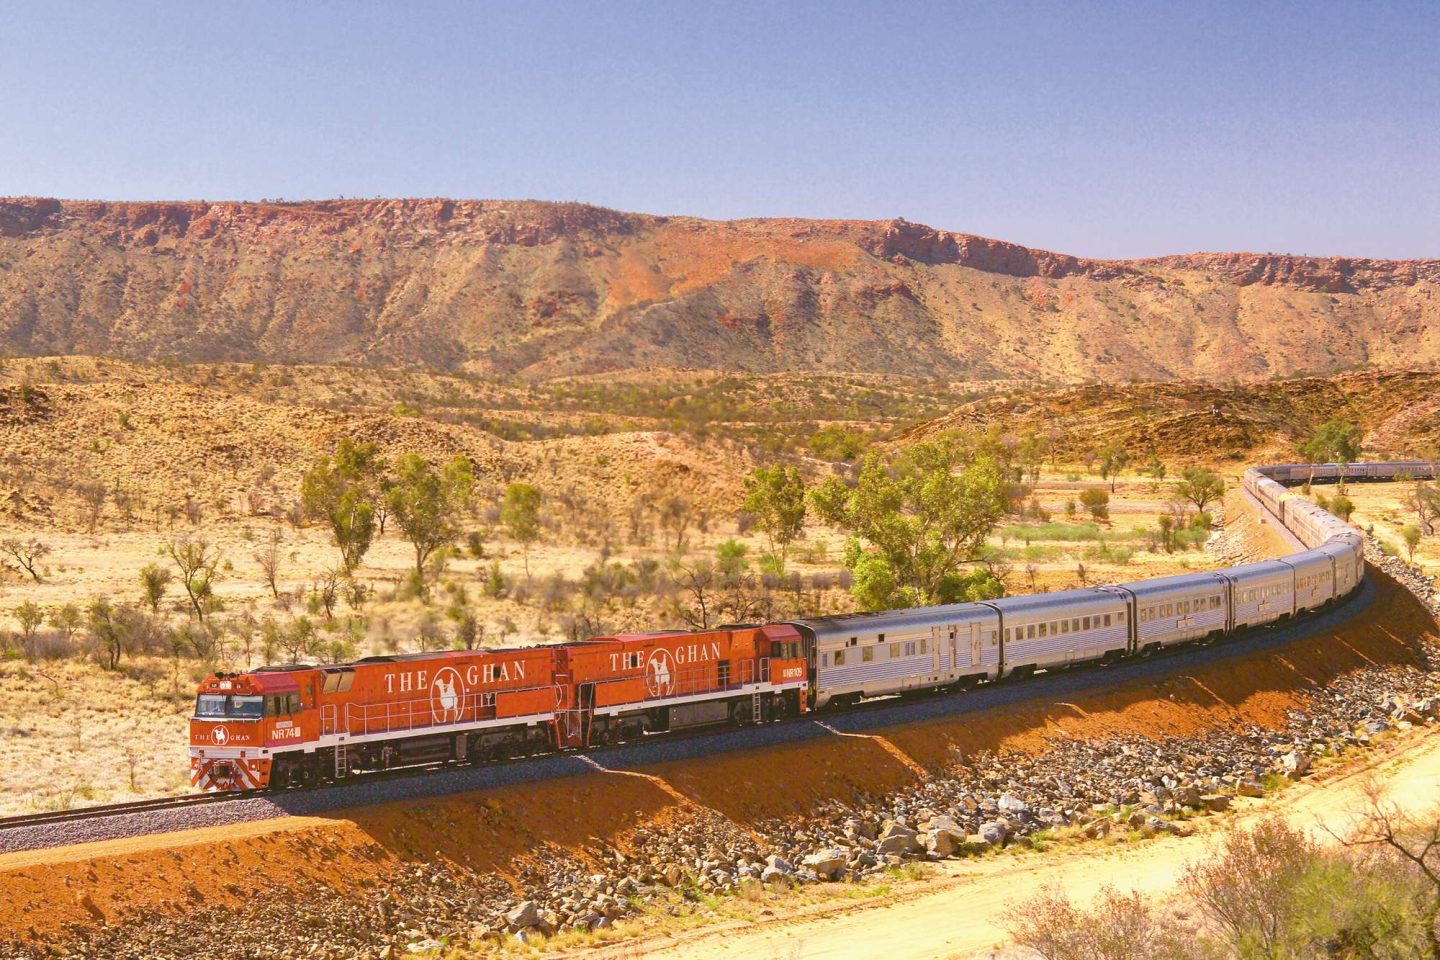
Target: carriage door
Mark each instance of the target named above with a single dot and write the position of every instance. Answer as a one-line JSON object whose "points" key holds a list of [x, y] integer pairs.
{"points": [[935, 641], [974, 644]]}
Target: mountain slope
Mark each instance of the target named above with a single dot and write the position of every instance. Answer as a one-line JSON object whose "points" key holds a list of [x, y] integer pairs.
{"points": [[541, 289]]}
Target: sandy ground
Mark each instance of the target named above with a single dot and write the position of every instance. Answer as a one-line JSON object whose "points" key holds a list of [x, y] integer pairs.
{"points": [[956, 914]]}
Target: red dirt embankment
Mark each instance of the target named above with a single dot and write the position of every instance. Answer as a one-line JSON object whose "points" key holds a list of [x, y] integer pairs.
{"points": [[43, 894]]}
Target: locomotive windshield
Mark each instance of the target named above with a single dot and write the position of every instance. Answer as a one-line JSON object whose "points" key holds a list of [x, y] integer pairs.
{"points": [[214, 706]]}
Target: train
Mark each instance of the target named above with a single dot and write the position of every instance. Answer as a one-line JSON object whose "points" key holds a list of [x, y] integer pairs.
{"points": [[297, 725]]}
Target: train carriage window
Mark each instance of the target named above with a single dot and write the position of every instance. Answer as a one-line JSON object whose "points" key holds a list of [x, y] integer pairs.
{"points": [[1107, 619], [1042, 629], [292, 704], [992, 635], [1085, 623], [332, 682], [924, 647], [839, 658], [894, 651], [910, 649], [1120, 617], [1030, 632], [867, 654]]}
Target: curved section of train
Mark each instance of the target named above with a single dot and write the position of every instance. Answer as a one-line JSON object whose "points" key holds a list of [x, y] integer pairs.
{"points": [[297, 725]]}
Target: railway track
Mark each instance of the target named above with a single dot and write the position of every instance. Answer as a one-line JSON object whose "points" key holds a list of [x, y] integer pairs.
{"points": [[282, 802], [121, 809]]}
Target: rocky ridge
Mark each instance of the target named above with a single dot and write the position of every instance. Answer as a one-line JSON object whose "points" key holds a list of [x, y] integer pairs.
{"points": [[553, 289]]}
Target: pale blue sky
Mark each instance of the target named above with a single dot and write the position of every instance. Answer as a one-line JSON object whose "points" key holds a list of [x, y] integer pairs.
{"points": [[1108, 129]]}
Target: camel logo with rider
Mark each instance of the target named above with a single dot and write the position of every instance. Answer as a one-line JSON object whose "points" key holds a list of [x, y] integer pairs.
{"points": [[660, 674], [447, 696]]}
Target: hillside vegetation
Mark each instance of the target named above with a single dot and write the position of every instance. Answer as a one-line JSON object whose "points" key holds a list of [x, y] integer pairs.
{"points": [[543, 290]]}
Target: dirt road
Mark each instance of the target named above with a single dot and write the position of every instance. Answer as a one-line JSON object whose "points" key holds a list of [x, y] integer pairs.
{"points": [[954, 916]]}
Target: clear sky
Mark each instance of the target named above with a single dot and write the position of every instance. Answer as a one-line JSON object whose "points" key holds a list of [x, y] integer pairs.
{"points": [[1107, 129]]}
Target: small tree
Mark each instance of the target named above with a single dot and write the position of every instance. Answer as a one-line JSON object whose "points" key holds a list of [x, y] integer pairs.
{"points": [[1097, 501], [1342, 507], [916, 522], [325, 592], [25, 555], [1167, 531], [1113, 461], [1200, 486], [107, 632], [775, 496], [1119, 927], [1411, 533], [340, 491], [198, 563], [92, 497], [1412, 840], [30, 617], [520, 513], [153, 582], [1425, 501], [67, 618], [1248, 890], [676, 514], [1336, 441], [269, 557], [698, 582], [427, 504]]}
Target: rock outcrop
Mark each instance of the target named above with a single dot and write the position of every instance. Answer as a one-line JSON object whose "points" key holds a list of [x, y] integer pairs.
{"points": [[546, 289]]}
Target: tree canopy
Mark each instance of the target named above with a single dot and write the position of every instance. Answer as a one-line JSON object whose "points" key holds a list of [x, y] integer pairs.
{"points": [[776, 498], [428, 503], [915, 522], [341, 491], [520, 512], [1200, 486], [1336, 441]]}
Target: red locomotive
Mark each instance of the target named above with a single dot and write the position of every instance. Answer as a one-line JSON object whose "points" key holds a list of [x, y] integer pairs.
{"points": [[296, 725]]}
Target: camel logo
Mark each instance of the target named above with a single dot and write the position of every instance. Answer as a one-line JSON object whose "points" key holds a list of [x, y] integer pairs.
{"points": [[447, 696], [660, 674], [220, 734]]}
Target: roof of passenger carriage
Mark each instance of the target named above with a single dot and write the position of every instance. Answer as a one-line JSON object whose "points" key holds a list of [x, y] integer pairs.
{"points": [[1175, 583], [1084, 597], [886, 619], [1260, 568]]}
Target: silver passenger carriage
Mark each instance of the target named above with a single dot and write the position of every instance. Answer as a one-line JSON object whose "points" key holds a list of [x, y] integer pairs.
{"points": [[1049, 630], [1260, 593], [873, 654], [1178, 609], [1314, 579]]}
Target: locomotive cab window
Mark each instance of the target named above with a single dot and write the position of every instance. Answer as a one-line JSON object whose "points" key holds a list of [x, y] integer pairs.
{"points": [[214, 706], [210, 705]]}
